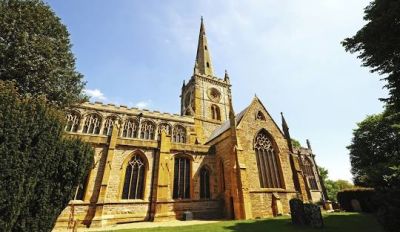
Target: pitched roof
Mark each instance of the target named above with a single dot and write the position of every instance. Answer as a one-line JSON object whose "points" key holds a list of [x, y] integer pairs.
{"points": [[226, 125]]}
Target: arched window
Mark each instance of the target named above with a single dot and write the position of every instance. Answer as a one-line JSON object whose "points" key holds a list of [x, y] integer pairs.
{"points": [[267, 162], [204, 183], [179, 135], [260, 116], [134, 179], [181, 178], [92, 124], [309, 174], [108, 125], [215, 112], [163, 127], [147, 130], [130, 129], [73, 120]]}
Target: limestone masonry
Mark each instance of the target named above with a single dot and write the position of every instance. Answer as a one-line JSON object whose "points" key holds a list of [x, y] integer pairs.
{"points": [[209, 161]]}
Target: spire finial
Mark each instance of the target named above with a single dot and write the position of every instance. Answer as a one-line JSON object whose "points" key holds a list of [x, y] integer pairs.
{"points": [[308, 144], [226, 78], [285, 129]]}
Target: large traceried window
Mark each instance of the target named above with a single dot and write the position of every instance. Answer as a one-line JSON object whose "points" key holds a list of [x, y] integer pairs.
{"points": [[204, 183], [92, 124], [73, 120], [309, 174], [267, 162], [108, 125], [181, 178], [147, 130], [179, 134], [134, 179], [215, 112], [163, 127], [130, 129]]}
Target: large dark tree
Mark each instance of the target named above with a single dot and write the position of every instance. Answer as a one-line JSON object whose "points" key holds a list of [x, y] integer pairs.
{"points": [[35, 52], [39, 167], [378, 45]]}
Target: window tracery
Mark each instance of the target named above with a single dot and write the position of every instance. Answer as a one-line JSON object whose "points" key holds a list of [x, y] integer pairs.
{"points": [[108, 125], [147, 130], [308, 171], [267, 162], [130, 128], [92, 124], [134, 179], [181, 178], [73, 120], [163, 127], [179, 134]]}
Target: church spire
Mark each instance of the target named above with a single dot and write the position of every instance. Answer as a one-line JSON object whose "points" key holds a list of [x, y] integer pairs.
{"points": [[203, 65]]}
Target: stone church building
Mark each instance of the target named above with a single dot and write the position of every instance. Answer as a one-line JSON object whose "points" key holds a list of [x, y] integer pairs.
{"points": [[153, 166]]}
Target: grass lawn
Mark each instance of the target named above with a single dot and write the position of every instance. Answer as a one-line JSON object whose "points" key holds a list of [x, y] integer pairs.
{"points": [[341, 222]]}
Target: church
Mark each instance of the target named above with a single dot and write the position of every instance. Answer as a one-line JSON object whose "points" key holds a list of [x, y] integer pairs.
{"points": [[208, 162]]}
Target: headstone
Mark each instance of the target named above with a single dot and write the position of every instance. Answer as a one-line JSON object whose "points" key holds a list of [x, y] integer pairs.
{"points": [[187, 216], [355, 205], [328, 206], [297, 212], [313, 215]]}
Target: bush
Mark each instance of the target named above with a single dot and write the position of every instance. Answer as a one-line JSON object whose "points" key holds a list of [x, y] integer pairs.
{"points": [[365, 196], [39, 168]]}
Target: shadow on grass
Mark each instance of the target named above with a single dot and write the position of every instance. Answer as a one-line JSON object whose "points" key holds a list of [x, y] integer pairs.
{"points": [[342, 222]]}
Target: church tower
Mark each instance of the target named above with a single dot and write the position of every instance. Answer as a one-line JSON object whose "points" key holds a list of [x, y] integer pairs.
{"points": [[205, 96]]}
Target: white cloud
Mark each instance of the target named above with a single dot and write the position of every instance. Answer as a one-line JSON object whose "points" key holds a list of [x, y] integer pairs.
{"points": [[95, 94], [143, 104]]}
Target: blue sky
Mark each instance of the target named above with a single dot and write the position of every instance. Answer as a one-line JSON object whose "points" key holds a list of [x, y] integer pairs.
{"points": [[288, 52]]}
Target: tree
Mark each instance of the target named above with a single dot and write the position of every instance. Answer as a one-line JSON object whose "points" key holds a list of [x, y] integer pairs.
{"points": [[375, 151], [296, 143], [35, 52], [323, 172], [333, 186], [378, 45], [39, 167], [375, 161]]}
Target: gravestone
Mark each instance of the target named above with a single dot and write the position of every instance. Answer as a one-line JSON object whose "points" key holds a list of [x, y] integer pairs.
{"points": [[297, 212], [187, 216], [313, 215], [355, 205]]}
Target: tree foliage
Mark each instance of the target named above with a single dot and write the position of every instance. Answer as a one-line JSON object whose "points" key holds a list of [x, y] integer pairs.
{"points": [[333, 186], [375, 151], [296, 143], [35, 52], [40, 168], [375, 161], [377, 44]]}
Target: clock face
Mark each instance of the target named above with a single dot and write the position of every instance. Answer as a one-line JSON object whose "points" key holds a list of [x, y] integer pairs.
{"points": [[214, 94]]}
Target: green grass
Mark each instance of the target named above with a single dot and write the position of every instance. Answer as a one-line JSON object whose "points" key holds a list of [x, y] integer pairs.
{"points": [[341, 222]]}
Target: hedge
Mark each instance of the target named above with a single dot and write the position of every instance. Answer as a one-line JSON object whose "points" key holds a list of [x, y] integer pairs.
{"points": [[365, 196]]}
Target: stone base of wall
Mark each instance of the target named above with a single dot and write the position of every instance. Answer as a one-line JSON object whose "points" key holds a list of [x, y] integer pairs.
{"points": [[86, 215], [262, 203]]}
